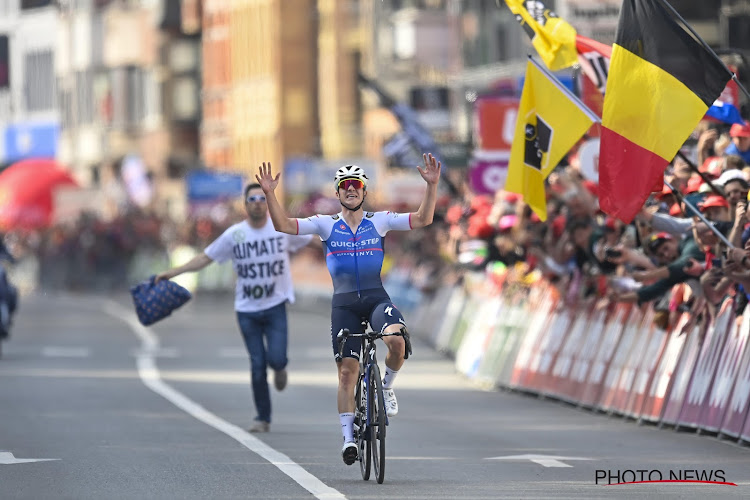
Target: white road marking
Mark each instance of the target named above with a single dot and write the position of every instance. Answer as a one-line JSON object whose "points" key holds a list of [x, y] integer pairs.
{"points": [[162, 352], [52, 351], [544, 460], [232, 352], [7, 458], [151, 377]]}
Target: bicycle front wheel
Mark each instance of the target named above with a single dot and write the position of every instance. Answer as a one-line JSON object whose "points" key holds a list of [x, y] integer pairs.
{"points": [[362, 431], [377, 423]]}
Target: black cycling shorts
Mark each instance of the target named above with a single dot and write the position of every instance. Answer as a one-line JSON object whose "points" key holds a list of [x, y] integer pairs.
{"points": [[378, 310]]}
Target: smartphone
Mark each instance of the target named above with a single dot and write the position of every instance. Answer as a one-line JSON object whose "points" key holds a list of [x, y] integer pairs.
{"points": [[611, 253]]}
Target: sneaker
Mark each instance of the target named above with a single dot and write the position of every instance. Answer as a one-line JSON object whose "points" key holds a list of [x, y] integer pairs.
{"points": [[279, 379], [391, 405], [260, 426], [349, 452]]}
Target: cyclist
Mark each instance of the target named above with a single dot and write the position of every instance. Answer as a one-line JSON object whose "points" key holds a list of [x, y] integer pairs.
{"points": [[353, 242]]}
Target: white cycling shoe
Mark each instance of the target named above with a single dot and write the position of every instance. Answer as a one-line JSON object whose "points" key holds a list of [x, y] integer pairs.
{"points": [[349, 452], [391, 405]]}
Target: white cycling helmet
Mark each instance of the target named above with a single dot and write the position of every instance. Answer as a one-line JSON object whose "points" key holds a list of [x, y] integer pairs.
{"points": [[350, 172]]}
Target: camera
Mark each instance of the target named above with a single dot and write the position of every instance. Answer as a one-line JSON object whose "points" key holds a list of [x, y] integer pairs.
{"points": [[611, 253]]}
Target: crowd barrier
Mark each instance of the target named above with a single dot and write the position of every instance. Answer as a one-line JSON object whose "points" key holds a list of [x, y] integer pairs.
{"points": [[610, 358]]}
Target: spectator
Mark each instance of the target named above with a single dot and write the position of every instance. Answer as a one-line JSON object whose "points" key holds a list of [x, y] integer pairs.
{"points": [[740, 134]]}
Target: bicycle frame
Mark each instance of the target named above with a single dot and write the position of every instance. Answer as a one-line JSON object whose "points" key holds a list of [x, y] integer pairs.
{"points": [[369, 350], [371, 419]]}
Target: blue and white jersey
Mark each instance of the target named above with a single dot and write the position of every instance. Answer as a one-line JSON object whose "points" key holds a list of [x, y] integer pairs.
{"points": [[354, 261]]}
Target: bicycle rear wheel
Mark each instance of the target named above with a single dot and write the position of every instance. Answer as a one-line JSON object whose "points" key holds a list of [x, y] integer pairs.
{"points": [[363, 436], [377, 422]]}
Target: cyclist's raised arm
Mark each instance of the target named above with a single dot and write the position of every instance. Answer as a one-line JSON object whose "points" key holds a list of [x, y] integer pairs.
{"points": [[268, 184], [431, 174]]}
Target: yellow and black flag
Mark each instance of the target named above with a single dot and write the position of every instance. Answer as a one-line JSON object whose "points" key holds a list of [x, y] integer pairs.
{"points": [[661, 82], [553, 38], [550, 121]]}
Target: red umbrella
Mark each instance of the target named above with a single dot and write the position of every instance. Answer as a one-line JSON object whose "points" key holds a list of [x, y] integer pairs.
{"points": [[26, 193]]}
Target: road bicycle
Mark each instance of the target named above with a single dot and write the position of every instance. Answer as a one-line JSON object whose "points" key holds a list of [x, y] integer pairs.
{"points": [[370, 419], [8, 300]]}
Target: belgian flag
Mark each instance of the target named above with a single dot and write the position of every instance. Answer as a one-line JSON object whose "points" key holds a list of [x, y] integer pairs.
{"points": [[661, 82]]}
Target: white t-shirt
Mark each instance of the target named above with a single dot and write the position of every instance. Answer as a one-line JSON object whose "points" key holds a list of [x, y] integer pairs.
{"points": [[260, 258]]}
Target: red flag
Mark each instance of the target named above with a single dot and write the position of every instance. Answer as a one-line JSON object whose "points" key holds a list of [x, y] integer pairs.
{"points": [[594, 59]]}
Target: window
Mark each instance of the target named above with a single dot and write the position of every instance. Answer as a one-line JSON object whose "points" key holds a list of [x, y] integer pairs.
{"points": [[84, 97], [4, 62], [706, 10], [135, 96], [737, 34], [66, 107], [185, 98], [33, 4], [39, 81]]}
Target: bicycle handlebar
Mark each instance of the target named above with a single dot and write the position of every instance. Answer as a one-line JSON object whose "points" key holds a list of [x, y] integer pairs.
{"points": [[344, 334]]}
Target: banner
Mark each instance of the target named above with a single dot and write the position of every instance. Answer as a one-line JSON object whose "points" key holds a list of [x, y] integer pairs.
{"points": [[550, 121]]}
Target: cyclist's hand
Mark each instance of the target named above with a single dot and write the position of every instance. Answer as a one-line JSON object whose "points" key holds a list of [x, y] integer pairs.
{"points": [[431, 171], [341, 339], [407, 343], [266, 179]]}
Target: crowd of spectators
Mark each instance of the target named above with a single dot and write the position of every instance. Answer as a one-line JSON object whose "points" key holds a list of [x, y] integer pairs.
{"points": [[667, 257]]}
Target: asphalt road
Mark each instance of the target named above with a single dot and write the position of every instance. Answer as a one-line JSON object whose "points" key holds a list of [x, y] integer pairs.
{"points": [[94, 406]]}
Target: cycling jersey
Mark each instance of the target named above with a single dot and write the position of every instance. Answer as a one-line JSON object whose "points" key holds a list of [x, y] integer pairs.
{"points": [[354, 261]]}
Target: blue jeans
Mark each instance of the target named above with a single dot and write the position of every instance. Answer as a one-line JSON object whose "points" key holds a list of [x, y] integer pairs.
{"points": [[271, 324]]}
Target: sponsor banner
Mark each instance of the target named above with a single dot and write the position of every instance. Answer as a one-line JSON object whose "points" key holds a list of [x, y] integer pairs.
{"points": [[465, 320], [646, 369], [558, 384], [683, 371], [585, 358], [726, 374], [442, 336], [626, 379], [490, 366], [486, 176], [731, 93], [550, 343], [619, 361], [541, 317], [610, 339], [595, 19], [495, 122], [588, 159], [523, 311], [739, 402], [31, 140], [474, 344], [207, 186], [428, 319], [702, 377], [745, 435], [653, 402]]}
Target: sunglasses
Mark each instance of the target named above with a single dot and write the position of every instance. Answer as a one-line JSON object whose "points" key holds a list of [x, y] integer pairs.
{"points": [[355, 183], [256, 197]]}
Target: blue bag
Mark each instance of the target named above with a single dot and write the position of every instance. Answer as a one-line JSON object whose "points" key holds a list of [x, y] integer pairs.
{"points": [[154, 302]]}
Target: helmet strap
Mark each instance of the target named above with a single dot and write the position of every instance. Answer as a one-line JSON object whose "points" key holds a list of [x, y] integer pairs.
{"points": [[355, 208], [352, 209]]}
